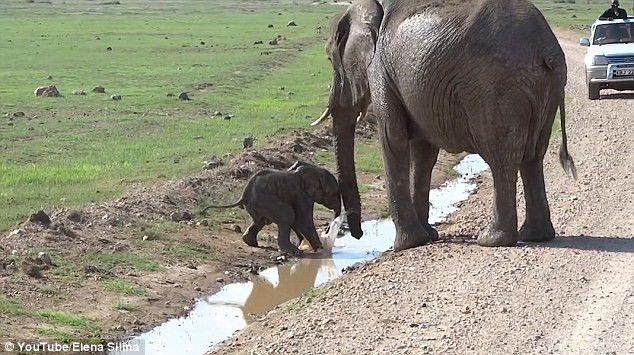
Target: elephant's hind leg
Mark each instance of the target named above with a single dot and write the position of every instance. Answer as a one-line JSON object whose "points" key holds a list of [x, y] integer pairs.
{"points": [[423, 156], [394, 139], [283, 215], [502, 231], [250, 236], [538, 226]]}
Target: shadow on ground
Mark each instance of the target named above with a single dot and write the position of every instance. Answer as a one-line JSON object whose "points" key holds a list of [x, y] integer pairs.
{"points": [[619, 96], [610, 244]]}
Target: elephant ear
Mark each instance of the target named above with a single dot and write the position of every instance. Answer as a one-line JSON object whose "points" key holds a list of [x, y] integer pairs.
{"points": [[335, 47], [351, 49]]}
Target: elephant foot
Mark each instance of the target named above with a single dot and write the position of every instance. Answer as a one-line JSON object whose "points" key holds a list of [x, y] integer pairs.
{"points": [[291, 251], [433, 233], [250, 239], [411, 237], [537, 232], [492, 236]]}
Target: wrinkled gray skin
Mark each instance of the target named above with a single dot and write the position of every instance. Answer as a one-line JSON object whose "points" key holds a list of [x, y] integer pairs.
{"points": [[477, 76], [287, 199]]}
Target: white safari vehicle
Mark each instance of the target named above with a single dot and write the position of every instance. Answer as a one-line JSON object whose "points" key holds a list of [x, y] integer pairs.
{"points": [[609, 61]]}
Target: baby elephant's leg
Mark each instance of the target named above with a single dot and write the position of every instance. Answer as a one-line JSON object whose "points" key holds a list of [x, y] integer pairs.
{"points": [[275, 210], [250, 236], [304, 221]]}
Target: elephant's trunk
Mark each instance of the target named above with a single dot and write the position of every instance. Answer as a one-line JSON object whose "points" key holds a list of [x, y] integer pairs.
{"points": [[343, 129]]}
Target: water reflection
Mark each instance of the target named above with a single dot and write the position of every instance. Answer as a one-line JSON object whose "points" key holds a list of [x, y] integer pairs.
{"points": [[216, 317]]}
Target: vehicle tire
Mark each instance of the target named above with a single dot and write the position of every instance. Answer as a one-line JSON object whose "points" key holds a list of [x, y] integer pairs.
{"points": [[593, 91]]}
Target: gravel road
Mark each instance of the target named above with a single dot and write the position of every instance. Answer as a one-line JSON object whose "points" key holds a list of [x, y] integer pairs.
{"points": [[574, 295]]}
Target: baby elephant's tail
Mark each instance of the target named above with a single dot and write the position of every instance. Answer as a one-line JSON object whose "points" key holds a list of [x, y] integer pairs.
{"points": [[564, 156], [239, 203]]}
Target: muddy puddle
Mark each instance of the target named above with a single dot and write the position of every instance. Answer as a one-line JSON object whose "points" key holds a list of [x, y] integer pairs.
{"points": [[216, 317]]}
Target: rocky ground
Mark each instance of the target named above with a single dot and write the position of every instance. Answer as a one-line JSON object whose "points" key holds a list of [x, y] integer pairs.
{"points": [[112, 270], [574, 295]]}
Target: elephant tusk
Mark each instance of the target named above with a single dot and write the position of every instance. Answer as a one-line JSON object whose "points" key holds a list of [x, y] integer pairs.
{"points": [[360, 117], [362, 114], [322, 118]]}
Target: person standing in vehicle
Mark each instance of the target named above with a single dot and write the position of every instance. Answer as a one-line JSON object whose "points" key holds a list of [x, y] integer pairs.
{"points": [[614, 12]]}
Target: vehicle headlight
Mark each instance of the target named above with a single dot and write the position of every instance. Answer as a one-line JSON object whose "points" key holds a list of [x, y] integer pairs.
{"points": [[599, 60]]}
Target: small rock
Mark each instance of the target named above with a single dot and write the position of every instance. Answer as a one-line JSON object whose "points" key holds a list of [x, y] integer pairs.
{"points": [[99, 90], [273, 42], [186, 309], [291, 24], [504, 310], [31, 269], [119, 246], [247, 142], [192, 266], [258, 42], [236, 228], [74, 216], [167, 303], [228, 117], [118, 328], [109, 48], [181, 216], [44, 259], [178, 286], [41, 217], [115, 97], [183, 96], [18, 114], [204, 222], [327, 321], [220, 280], [270, 25], [217, 113], [145, 237], [197, 289]]}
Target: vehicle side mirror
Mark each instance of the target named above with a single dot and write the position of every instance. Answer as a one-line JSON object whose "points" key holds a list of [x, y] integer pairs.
{"points": [[584, 41]]}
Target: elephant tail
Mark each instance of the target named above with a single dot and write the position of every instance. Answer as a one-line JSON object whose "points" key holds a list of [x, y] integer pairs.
{"points": [[565, 159], [239, 203]]}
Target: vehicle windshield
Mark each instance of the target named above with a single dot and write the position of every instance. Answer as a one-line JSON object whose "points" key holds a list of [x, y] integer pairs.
{"points": [[613, 33]]}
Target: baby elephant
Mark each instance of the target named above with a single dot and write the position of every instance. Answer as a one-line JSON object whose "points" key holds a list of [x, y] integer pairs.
{"points": [[287, 199]]}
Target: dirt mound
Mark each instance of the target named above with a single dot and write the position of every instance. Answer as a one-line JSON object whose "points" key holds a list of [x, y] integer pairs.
{"points": [[174, 200]]}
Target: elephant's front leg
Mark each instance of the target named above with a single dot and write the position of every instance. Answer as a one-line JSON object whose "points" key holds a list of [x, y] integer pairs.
{"points": [[423, 157], [502, 231], [304, 222], [394, 138], [537, 227]]}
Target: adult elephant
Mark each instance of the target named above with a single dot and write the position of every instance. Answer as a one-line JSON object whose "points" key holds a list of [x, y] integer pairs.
{"points": [[477, 76]]}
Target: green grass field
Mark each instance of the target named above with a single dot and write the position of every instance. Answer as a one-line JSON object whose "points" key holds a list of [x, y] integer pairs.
{"points": [[77, 149]]}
